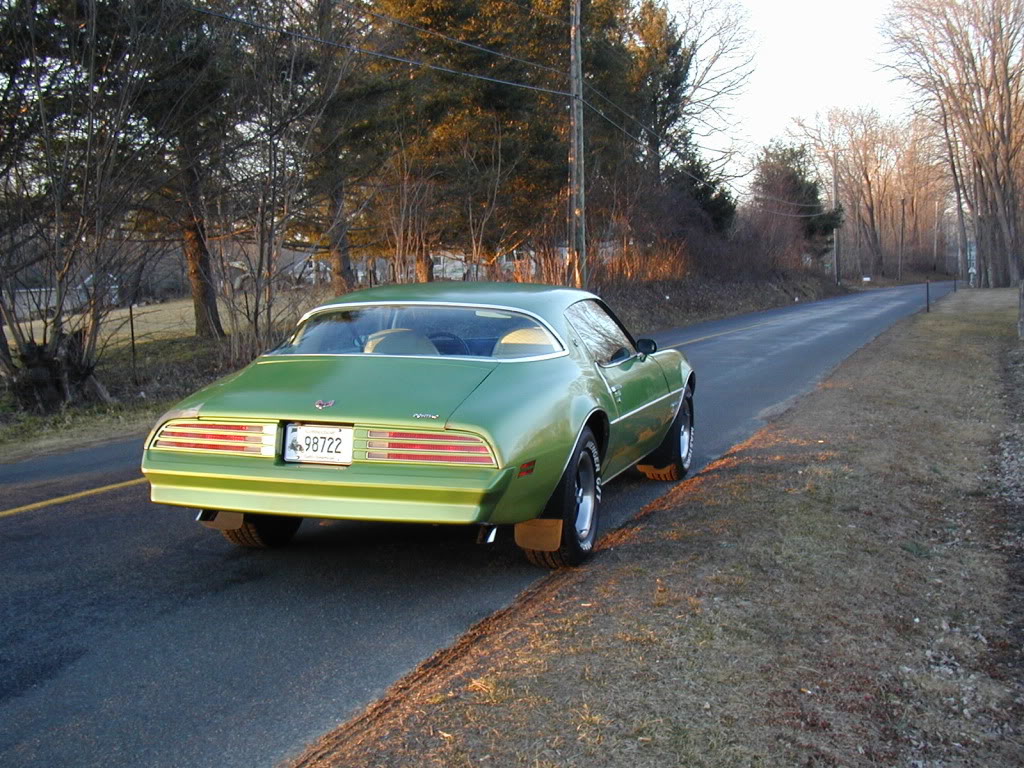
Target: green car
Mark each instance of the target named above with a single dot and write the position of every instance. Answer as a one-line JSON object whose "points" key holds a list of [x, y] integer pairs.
{"points": [[484, 404]]}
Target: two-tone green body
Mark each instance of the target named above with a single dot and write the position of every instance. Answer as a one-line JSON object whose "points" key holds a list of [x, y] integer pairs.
{"points": [[529, 412]]}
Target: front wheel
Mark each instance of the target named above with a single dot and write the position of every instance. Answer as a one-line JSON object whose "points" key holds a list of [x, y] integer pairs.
{"points": [[575, 502], [263, 531], [672, 459]]}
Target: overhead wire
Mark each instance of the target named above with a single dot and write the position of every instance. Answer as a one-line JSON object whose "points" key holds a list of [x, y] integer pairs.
{"points": [[680, 154], [487, 78], [385, 17], [542, 14], [378, 54]]}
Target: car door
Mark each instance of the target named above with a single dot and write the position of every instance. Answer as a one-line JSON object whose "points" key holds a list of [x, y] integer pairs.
{"points": [[635, 382]]}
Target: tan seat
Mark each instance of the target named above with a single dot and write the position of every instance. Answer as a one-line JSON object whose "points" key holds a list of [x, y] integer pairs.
{"points": [[525, 342], [399, 341]]}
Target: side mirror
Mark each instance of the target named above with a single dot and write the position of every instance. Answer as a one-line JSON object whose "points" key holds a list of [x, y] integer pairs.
{"points": [[646, 346]]}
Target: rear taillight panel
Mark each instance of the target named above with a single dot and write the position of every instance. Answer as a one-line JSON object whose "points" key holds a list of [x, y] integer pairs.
{"points": [[217, 437], [397, 445], [372, 444]]}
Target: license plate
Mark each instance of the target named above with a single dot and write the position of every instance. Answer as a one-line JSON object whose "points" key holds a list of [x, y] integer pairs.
{"points": [[318, 444]]}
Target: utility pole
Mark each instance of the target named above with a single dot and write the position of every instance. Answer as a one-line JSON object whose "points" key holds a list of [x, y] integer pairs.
{"points": [[835, 207], [577, 240], [935, 240], [903, 220]]}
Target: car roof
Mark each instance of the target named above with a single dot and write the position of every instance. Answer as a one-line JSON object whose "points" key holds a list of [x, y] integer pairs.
{"points": [[547, 301]]}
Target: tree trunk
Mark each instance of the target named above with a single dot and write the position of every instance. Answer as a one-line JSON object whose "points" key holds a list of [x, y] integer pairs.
{"points": [[424, 267], [343, 279], [197, 253], [204, 297], [1020, 312]]}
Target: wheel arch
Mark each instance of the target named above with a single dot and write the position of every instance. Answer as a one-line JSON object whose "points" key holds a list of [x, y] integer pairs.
{"points": [[691, 383], [601, 427]]}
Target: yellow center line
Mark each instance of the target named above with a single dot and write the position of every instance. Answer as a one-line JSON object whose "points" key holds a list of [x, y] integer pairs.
{"points": [[716, 335], [71, 497]]}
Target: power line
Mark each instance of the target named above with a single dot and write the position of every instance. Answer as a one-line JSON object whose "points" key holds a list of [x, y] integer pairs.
{"points": [[378, 54], [698, 179], [535, 12], [669, 141], [473, 75], [474, 46]]}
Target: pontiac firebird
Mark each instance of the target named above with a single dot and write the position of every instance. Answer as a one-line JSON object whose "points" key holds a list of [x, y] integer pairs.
{"points": [[467, 403]]}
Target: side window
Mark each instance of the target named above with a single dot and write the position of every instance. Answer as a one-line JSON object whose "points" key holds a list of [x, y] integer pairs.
{"points": [[601, 334]]}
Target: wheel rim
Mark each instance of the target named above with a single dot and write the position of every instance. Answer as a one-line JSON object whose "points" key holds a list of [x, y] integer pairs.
{"points": [[586, 496], [685, 434]]}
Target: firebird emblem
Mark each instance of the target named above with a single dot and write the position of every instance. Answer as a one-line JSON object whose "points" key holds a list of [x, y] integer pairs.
{"points": [[321, 404]]}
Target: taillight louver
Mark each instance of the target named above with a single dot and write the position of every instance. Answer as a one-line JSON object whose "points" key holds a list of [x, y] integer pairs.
{"points": [[427, 447], [217, 437]]}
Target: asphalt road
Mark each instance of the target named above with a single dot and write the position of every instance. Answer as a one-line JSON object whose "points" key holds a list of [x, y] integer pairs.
{"points": [[131, 636]]}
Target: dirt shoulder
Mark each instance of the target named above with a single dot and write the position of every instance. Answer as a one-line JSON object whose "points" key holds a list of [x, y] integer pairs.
{"points": [[843, 589]]}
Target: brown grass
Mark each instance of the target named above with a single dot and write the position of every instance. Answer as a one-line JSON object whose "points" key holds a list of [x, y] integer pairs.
{"points": [[840, 590]]}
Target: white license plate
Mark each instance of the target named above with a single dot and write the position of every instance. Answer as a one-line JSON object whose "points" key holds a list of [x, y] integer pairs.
{"points": [[318, 444]]}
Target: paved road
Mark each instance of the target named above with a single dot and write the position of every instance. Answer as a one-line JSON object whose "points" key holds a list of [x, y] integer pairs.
{"points": [[131, 636]]}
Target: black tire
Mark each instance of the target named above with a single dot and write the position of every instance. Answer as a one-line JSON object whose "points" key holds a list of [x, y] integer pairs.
{"points": [[576, 501], [264, 531], [672, 459]]}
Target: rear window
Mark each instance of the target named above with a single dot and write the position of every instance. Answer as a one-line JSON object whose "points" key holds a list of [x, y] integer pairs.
{"points": [[421, 330]]}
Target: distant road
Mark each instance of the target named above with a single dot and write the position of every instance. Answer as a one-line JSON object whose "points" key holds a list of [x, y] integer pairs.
{"points": [[130, 636]]}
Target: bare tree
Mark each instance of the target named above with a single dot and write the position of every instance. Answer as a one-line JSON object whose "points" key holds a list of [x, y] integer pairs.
{"points": [[966, 60], [879, 162], [718, 42], [69, 192]]}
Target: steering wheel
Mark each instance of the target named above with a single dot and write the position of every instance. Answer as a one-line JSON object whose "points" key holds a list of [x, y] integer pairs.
{"points": [[453, 340]]}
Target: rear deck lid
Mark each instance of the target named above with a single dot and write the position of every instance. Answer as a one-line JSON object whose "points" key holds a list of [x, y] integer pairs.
{"points": [[358, 389]]}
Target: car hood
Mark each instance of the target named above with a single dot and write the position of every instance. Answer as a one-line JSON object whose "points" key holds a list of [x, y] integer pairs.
{"points": [[353, 390]]}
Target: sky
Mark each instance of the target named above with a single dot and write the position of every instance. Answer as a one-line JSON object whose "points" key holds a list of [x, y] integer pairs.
{"points": [[811, 55]]}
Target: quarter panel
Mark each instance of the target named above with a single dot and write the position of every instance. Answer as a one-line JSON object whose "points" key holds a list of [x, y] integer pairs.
{"points": [[530, 412]]}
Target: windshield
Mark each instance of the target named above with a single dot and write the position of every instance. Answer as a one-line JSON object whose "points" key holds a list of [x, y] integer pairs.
{"points": [[421, 330]]}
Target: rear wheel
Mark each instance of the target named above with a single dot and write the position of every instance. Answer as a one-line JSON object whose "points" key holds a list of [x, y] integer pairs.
{"points": [[575, 501], [672, 459], [264, 531]]}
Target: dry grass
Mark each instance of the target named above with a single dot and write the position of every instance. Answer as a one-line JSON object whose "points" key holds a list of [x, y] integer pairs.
{"points": [[840, 590], [646, 307]]}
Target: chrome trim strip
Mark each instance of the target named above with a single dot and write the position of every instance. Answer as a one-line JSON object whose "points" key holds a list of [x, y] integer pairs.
{"points": [[466, 305], [268, 359], [673, 393]]}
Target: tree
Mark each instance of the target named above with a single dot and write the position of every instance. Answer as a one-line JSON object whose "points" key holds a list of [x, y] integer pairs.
{"points": [[72, 175], [194, 104], [965, 58], [877, 164], [787, 204]]}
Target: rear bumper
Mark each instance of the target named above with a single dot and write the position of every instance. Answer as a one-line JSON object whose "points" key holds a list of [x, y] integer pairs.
{"points": [[406, 493]]}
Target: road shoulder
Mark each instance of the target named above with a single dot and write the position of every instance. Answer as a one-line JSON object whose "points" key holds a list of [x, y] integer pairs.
{"points": [[841, 589]]}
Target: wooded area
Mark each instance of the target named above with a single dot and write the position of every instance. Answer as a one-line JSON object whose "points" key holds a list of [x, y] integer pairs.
{"points": [[325, 144]]}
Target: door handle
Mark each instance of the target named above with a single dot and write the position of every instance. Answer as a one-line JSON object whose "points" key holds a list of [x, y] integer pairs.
{"points": [[617, 392]]}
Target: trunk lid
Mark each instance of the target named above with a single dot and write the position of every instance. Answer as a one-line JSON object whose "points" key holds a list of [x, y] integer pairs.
{"points": [[354, 389]]}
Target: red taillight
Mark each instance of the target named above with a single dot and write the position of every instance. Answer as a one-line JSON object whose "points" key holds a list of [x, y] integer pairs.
{"points": [[256, 439], [448, 438], [220, 427], [437, 447]]}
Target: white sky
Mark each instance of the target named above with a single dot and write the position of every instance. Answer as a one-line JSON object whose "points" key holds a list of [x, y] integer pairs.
{"points": [[810, 56]]}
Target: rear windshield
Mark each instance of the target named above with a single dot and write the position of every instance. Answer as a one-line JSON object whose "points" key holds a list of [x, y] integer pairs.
{"points": [[432, 331]]}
